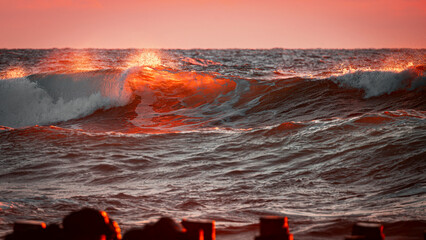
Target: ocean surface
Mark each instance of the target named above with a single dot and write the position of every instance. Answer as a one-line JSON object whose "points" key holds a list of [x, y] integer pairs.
{"points": [[326, 137]]}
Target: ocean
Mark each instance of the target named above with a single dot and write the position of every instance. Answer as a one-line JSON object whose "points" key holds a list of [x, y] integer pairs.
{"points": [[326, 137]]}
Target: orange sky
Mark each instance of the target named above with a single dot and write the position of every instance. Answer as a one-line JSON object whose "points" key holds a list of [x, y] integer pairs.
{"points": [[213, 23]]}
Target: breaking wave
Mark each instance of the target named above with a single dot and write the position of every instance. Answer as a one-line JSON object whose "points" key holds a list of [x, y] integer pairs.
{"points": [[377, 83], [50, 98], [170, 98]]}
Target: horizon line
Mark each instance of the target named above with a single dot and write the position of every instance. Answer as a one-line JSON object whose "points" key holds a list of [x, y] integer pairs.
{"points": [[230, 48]]}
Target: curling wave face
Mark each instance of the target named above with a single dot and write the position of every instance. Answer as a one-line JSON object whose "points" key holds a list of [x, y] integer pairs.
{"points": [[51, 98]]}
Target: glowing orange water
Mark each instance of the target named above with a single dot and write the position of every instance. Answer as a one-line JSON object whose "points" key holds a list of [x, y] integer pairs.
{"points": [[178, 90], [175, 90], [82, 62], [145, 58], [70, 62], [386, 67], [14, 72]]}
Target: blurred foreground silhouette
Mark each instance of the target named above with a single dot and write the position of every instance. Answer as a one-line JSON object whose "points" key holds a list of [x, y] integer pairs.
{"points": [[92, 224]]}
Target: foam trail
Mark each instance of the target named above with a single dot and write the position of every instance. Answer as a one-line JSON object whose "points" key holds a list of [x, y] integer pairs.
{"points": [[50, 98], [377, 83]]}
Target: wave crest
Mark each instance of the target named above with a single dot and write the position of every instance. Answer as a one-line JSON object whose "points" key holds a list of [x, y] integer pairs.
{"points": [[377, 83]]}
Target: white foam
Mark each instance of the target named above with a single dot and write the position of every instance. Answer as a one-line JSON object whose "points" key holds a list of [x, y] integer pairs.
{"points": [[376, 83], [47, 99]]}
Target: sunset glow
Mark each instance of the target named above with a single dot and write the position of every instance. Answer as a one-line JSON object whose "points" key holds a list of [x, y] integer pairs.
{"points": [[183, 89], [81, 62], [14, 72], [169, 91], [145, 58], [389, 67], [213, 24]]}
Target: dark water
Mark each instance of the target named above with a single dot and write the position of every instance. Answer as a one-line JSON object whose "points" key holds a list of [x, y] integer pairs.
{"points": [[325, 137]]}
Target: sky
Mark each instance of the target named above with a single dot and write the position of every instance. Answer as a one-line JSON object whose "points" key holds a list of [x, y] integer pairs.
{"points": [[213, 23]]}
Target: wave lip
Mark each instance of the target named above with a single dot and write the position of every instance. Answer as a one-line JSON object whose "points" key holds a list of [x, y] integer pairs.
{"points": [[377, 83], [49, 98]]}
